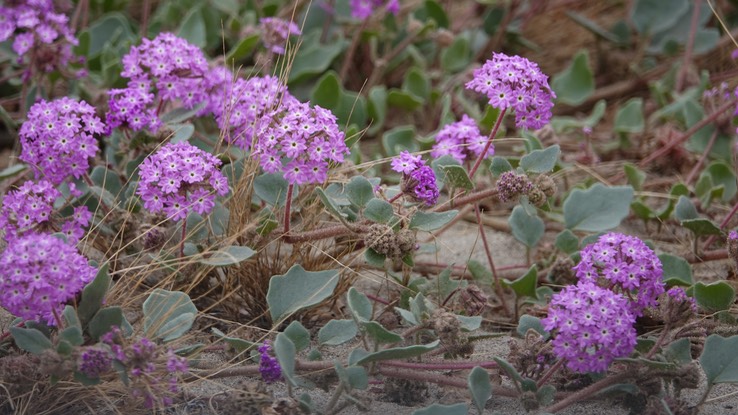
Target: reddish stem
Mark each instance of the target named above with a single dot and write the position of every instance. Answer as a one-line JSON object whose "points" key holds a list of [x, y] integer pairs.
{"points": [[498, 286], [287, 209], [184, 235], [395, 197], [492, 135], [441, 365]]}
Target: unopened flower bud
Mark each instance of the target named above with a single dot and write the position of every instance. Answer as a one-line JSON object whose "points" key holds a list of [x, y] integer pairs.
{"points": [[546, 184], [537, 197], [444, 38], [511, 186], [473, 299]]}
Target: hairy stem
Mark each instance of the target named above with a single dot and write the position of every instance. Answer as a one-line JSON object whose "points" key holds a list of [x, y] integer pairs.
{"points": [[588, 391], [490, 259], [466, 199], [184, 236], [287, 210]]}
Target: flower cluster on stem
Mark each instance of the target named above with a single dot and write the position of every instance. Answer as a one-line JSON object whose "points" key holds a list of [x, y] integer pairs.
{"points": [[269, 367], [179, 178], [363, 9], [39, 274], [41, 37], [58, 140], [592, 326], [299, 141], [513, 82], [624, 264], [275, 32], [461, 140], [30, 209], [418, 180], [168, 68]]}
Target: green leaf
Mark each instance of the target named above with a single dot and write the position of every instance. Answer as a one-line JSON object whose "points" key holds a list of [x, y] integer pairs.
{"points": [[499, 165], [719, 359], [297, 290], [416, 82], [239, 345], [359, 191], [179, 115], [527, 322], [374, 258], [430, 221], [567, 242], [525, 286], [679, 351], [13, 170], [398, 353], [327, 91], [456, 176], [398, 139], [438, 409], [480, 273], [181, 132], [104, 321], [73, 335], [359, 305], [229, 255], [93, 295], [456, 57], [271, 188], [598, 208], [507, 367], [106, 179], [168, 314], [636, 177], [470, 323], [111, 28], [71, 319], [242, 49], [379, 334], [329, 204], [480, 387], [653, 16], [286, 352], [407, 316], [193, 28], [404, 99], [377, 108], [337, 332], [677, 270], [314, 57], [378, 210], [526, 228], [299, 335], [541, 161], [685, 209], [701, 226], [722, 174], [30, 340], [593, 27], [629, 118], [714, 297], [576, 83]]}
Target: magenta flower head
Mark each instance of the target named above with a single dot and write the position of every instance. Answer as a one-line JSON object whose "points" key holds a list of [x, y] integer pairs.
{"points": [[58, 140], [591, 327], [168, 68], [363, 9], [300, 141], [513, 82], [39, 273], [275, 32], [624, 264], [418, 180], [179, 178], [460, 140], [42, 37], [30, 209], [269, 367], [238, 105]]}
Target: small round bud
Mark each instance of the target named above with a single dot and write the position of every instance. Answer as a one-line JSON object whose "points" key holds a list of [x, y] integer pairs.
{"points": [[546, 184], [414, 25], [473, 299], [444, 38], [537, 197], [381, 238], [406, 241]]}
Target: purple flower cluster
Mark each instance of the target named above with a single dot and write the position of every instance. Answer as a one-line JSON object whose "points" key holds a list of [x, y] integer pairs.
{"points": [[94, 361], [418, 180], [510, 186], [363, 9], [30, 209], [592, 327], [39, 30], [39, 273], [300, 141], [153, 375], [626, 264], [460, 140], [513, 82], [166, 67], [678, 295], [179, 178], [238, 105], [59, 138], [275, 32], [268, 365]]}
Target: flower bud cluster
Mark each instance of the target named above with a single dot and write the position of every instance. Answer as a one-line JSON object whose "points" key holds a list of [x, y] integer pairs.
{"points": [[275, 32], [418, 180], [461, 140]]}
